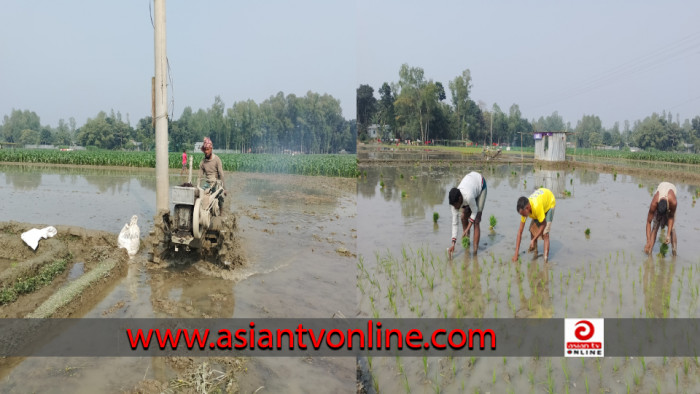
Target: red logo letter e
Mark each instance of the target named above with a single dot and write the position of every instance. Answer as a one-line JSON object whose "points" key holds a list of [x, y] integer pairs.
{"points": [[580, 331]]}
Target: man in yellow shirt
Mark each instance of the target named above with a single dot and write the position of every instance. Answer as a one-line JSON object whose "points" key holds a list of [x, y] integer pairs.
{"points": [[540, 207]]}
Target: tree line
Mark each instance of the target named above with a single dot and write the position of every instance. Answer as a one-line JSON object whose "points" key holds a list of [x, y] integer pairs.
{"points": [[309, 124], [416, 108]]}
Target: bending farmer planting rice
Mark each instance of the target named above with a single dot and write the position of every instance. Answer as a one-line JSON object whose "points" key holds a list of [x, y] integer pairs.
{"points": [[662, 212], [540, 207]]}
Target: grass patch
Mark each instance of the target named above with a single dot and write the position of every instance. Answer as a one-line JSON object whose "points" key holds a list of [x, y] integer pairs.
{"points": [[28, 285]]}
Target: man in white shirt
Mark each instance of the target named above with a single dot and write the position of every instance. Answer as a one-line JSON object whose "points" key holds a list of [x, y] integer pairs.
{"points": [[469, 198], [662, 212]]}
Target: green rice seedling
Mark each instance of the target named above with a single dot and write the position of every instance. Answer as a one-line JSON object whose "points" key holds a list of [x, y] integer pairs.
{"points": [[436, 216], [425, 365], [401, 176], [663, 249], [494, 376], [586, 382], [571, 181], [587, 232], [520, 369], [465, 242], [381, 184], [436, 384], [686, 366], [403, 194], [493, 221], [676, 379]]}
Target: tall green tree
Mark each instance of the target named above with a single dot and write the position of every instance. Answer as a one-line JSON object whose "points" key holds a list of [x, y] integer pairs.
{"points": [[589, 132], [460, 88], [17, 122], [366, 107]]}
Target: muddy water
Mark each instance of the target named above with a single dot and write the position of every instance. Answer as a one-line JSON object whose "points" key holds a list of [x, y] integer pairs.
{"points": [[406, 272], [299, 239]]}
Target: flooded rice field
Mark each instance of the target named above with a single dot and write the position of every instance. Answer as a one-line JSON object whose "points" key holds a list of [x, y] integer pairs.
{"points": [[596, 268], [298, 236]]}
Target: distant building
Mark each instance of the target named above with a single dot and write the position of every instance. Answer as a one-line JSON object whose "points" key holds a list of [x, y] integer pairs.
{"points": [[374, 131]]}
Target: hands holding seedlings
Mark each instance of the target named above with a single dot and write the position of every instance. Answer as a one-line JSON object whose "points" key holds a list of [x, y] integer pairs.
{"points": [[465, 244]]}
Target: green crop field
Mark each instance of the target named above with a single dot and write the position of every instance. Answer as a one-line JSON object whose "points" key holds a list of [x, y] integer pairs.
{"points": [[327, 165]]}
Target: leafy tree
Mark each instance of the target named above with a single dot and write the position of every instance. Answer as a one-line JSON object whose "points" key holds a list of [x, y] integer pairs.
{"points": [[386, 111], [589, 132], [460, 88], [96, 132], [17, 122], [45, 136], [29, 137], [366, 107], [440, 91], [62, 135]]}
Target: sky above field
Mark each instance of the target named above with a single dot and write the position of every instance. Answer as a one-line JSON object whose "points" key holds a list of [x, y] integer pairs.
{"points": [[76, 58], [615, 59], [618, 60]]}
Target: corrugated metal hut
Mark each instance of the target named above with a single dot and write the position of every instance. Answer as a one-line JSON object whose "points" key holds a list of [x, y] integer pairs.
{"points": [[550, 146]]}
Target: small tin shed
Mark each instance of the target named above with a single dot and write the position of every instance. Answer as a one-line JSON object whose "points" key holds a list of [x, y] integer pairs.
{"points": [[550, 146]]}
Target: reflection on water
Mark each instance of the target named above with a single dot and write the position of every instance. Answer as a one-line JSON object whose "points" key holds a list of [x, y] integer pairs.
{"points": [[658, 278], [23, 180], [469, 296], [76, 195], [538, 304], [403, 199]]}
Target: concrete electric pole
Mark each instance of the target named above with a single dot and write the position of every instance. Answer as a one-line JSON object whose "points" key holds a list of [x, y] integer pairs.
{"points": [[161, 109]]}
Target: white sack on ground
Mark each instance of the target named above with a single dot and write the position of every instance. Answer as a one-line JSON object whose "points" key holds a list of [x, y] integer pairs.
{"points": [[130, 237], [33, 236]]}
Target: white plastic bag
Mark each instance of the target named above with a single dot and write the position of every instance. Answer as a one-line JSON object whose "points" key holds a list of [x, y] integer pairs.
{"points": [[33, 236], [130, 237]]}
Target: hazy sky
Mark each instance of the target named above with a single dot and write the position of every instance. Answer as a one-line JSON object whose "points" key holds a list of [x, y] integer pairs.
{"points": [[618, 60], [76, 58], [615, 59]]}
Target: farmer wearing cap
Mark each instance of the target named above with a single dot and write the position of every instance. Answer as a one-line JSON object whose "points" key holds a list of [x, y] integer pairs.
{"points": [[662, 212], [468, 198], [211, 169], [540, 207]]}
